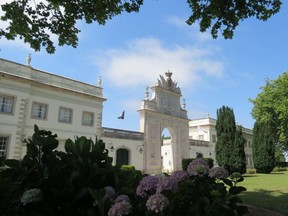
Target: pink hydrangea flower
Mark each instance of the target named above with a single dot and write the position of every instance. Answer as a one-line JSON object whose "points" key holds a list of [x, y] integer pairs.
{"points": [[198, 167], [218, 172], [119, 209], [146, 185]]}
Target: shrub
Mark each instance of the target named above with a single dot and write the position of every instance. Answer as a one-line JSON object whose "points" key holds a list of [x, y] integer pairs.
{"points": [[251, 171], [83, 182], [279, 169]]}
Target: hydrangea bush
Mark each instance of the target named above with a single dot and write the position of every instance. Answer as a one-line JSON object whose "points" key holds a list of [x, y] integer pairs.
{"points": [[82, 181]]}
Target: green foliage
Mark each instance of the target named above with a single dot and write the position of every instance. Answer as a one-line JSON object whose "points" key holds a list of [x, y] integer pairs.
{"points": [[187, 161], [270, 107], [279, 169], [71, 182], [263, 148], [224, 16], [226, 130], [83, 182], [36, 22], [251, 171], [239, 157]]}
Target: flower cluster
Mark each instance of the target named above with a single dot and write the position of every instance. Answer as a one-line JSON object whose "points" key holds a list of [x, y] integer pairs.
{"points": [[158, 192], [218, 172], [157, 202], [198, 167], [147, 186], [120, 208]]}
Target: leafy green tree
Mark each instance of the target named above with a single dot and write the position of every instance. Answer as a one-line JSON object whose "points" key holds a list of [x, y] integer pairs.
{"points": [[35, 21], [270, 107], [239, 157], [226, 130], [279, 155], [263, 148]]}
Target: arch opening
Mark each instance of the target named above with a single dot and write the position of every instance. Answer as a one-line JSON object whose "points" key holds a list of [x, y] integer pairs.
{"points": [[166, 151]]}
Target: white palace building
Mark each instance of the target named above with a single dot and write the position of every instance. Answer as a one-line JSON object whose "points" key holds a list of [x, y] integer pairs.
{"points": [[67, 107]]}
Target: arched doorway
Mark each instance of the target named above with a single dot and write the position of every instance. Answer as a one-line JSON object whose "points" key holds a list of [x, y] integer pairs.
{"points": [[166, 151], [162, 111], [122, 156]]}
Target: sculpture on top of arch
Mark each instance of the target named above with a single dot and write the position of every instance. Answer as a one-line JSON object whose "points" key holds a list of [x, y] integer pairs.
{"points": [[168, 83]]}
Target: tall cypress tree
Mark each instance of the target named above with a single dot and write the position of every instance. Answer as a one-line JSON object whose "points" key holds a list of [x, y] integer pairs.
{"points": [[226, 129], [238, 154], [263, 148]]}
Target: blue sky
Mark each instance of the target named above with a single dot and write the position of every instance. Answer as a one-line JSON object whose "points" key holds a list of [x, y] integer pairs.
{"points": [[132, 50]]}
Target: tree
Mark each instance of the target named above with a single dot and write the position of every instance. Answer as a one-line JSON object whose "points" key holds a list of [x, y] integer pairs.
{"points": [[270, 107], [35, 21], [226, 129], [239, 157], [263, 148]]}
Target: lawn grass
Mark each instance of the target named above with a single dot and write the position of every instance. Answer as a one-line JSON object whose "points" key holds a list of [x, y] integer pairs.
{"points": [[267, 190]]}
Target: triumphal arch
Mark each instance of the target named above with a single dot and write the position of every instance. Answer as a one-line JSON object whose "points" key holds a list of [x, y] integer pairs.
{"points": [[163, 111]]}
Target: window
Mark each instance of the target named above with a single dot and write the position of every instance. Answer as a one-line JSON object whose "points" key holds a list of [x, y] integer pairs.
{"points": [[213, 138], [39, 110], [6, 104], [87, 118], [201, 137], [65, 115], [3, 145], [122, 157]]}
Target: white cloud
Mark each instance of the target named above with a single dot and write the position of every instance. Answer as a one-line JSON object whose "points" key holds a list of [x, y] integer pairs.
{"points": [[144, 59], [192, 30]]}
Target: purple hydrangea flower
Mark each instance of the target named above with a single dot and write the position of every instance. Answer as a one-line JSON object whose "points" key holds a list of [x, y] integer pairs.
{"points": [[218, 172], [147, 184], [32, 195], [165, 183], [109, 192], [119, 209], [157, 202], [198, 167], [122, 198], [179, 175]]}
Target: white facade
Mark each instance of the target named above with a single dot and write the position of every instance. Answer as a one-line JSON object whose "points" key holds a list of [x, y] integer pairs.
{"points": [[29, 96], [70, 108]]}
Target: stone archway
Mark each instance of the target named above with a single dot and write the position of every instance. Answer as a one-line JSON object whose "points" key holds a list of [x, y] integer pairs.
{"points": [[162, 111]]}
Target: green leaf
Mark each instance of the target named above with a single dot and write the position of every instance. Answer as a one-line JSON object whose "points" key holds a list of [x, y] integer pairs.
{"points": [[236, 190], [12, 163], [70, 146]]}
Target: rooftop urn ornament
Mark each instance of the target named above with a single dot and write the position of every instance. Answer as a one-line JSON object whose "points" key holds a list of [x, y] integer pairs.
{"points": [[28, 59], [169, 80], [147, 93], [99, 82], [184, 103]]}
